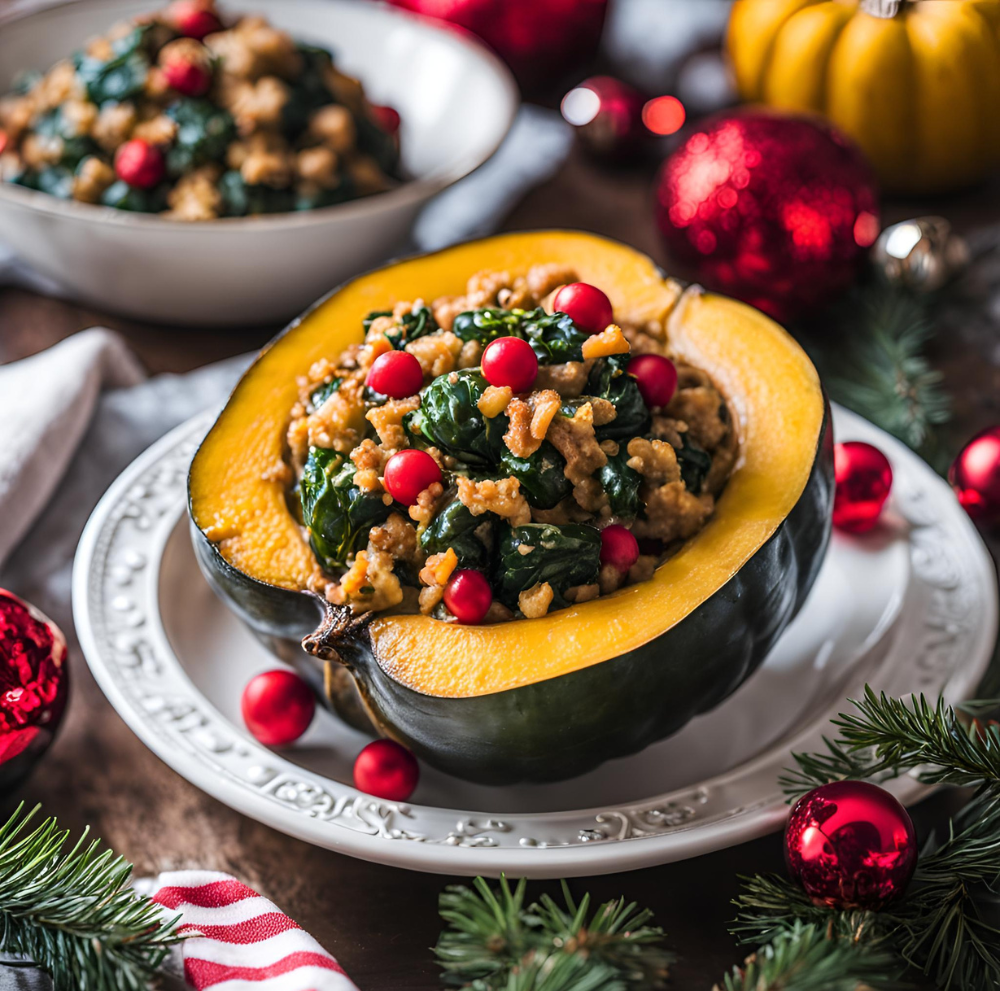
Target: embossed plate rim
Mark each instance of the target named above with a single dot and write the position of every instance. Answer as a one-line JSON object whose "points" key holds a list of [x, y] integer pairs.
{"points": [[735, 806]]}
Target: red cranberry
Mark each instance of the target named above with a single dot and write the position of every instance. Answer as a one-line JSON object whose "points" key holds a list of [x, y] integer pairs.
{"points": [[585, 305], [396, 374], [187, 77], [277, 707], [510, 361], [408, 473], [139, 164], [386, 769], [656, 377], [468, 596], [193, 19], [863, 479], [387, 118], [619, 548]]}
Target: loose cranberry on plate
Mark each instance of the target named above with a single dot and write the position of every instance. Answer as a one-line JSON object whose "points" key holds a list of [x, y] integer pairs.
{"points": [[656, 377], [386, 769], [588, 307], [277, 707], [396, 374], [510, 361], [619, 548], [408, 473], [139, 163], [193, 19], [468, 596]]}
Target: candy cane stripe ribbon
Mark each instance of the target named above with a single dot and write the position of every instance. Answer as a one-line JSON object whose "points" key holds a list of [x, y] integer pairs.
{"points": [[239, 941]]}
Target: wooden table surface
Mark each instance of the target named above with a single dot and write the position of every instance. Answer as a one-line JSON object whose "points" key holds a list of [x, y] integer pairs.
{"points": [[381, 921]]}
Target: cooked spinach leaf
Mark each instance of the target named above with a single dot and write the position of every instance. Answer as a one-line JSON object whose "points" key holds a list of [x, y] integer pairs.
{"points": [[419, 322], [553, 337], [621, 484], [455, 527], [336, 512], [487, 324], [541, 475], [314, 199], [122, 196], [241, 200], [563, 556], [56, 181], [75, 147], [308, 92], [121, 76], [204, 131], [449, 418], [695, 464], [609, 380], [322, 393]]}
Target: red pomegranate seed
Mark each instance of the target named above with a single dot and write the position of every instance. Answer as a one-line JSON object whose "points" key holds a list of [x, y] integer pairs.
{"points": [[408, 473], [656, 377], [510, 361], [588, 307], [468, 596], [396, 374]]}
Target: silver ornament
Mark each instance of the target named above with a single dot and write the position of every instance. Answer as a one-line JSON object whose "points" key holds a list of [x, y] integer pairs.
{"points": [[921, 254]]}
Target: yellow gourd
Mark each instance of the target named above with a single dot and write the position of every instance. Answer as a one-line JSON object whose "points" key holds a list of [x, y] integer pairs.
{"points": [[915, 83]]}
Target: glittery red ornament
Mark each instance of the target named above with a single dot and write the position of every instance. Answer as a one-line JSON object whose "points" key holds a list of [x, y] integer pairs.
{"points": [[34, 682], [864, 478], [277, 707], [607, 115], [975, 477], [386, 769], [775, 210], [541, 40], [850, 844]]}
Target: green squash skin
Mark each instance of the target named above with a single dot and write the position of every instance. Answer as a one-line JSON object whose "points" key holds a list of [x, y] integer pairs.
{"points": [[564, 726]]}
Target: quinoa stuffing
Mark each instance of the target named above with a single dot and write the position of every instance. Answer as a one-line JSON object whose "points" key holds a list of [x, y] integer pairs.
{"points": [[194, 116], [502, 454]]}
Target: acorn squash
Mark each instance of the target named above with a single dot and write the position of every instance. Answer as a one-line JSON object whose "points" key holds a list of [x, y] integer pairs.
{"points": [[552, 697]]}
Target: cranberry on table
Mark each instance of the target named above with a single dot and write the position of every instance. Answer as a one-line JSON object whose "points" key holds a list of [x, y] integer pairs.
{"points": [[277, 707], [187, 77], [510, 361], [863, 480], [656, 377], [387, 118], [386, 769], [140, 164], [468, 596], [408, 473], [396, 374], [193, 19], [588, 307], [619, 548]]}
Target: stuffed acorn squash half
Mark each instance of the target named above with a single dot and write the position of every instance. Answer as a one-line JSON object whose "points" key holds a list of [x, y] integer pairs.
{"points": [[501, 538]]}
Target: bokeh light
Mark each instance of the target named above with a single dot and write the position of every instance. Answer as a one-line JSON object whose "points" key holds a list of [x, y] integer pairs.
{"points": [[664, 115]]}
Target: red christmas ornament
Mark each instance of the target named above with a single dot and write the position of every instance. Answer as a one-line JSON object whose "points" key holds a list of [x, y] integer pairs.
{"points": [[468, 596], [775, 210], [193, 18], [187, 77], [864, 478], [277, 707], [510, 361], [139, 164], [408, 473], [396, 374], [656, 377], [541, 40], [975, 477], [850, 844], [619, 548], [608, 116], [34, 683], [386, 769], [588, 307]]}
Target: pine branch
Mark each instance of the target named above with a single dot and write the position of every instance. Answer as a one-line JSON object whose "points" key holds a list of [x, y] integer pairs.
{"points": [[807, 957], [73, 913], [494, 943]]}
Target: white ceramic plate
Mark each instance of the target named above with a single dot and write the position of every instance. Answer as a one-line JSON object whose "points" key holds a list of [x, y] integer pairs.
{"points": [[456, 101], [911, 607]]}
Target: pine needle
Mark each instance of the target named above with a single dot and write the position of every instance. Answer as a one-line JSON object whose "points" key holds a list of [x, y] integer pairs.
{"points": [[72, 912]]}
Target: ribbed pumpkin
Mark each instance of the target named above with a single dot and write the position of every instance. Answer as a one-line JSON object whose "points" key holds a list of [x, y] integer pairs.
{"points": [[915, 83]]}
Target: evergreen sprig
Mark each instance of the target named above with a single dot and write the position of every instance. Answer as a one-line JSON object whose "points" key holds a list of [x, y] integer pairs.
{"points": [[495, 943], [72, 913]]}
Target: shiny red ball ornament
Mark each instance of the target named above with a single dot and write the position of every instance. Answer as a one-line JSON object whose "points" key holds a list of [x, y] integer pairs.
{"points": [[776, 210], [396, 374], [510, 361], [187, 77], [34, 684], [864, 479], [386, 769], [656, 377], [975, 477], [139, 163], [408, 473], [607, 116], [277, 707], [468, 596], [541, 40], [587, 306], [193, 18], [619, 548], [850, 845]]}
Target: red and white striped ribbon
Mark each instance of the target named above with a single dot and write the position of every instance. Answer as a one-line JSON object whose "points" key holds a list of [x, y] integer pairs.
{"points": [[239, 941]]}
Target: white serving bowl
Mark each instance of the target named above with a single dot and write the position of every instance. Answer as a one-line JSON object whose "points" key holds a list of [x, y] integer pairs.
{"points": [[456, 100]]}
